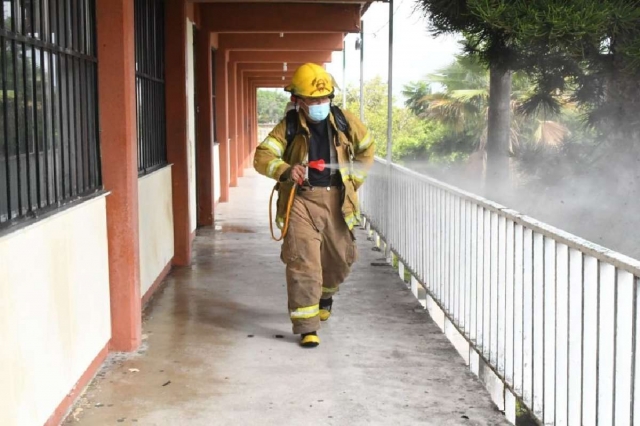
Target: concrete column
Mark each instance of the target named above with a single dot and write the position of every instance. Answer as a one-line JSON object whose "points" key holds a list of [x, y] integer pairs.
{"points": [[249, 112], [250, 135], [254, 115], [177, 125], [245, 117], [235, 91], [241, 117], [222, 119], [233, 137], [119, 148], [204, 143]]}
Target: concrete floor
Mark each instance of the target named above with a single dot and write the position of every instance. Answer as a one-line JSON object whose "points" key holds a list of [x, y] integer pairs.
{"points": [[218, 348]]}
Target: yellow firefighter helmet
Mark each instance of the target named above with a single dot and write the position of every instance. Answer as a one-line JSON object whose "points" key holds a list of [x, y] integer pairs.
{"points": [[311, 81]]}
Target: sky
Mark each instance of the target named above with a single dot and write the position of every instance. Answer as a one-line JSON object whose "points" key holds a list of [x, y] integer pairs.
{"points": [[416, 53]]}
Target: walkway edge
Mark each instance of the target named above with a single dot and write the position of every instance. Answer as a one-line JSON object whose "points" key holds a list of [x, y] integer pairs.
{"points": [[504, 400]]}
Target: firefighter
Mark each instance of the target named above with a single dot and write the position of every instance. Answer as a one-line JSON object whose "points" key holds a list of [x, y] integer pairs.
{"points": [[319, 247]]}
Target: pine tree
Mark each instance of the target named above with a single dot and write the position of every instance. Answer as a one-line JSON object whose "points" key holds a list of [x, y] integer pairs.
{"points": [[588, 47], [495, 47]]}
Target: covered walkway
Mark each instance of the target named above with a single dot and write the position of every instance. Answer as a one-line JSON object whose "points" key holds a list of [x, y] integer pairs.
{"points": [[218, 349]]}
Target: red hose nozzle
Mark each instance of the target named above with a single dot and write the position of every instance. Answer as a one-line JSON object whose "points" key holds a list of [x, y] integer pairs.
{"points": [[317, 164]]}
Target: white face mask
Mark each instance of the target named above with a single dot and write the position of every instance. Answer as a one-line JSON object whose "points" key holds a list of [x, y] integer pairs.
{"points": [[317, 112]]}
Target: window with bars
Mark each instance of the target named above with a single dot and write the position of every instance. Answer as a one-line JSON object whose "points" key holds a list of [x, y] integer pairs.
{"points": [[49, 148], [150, 87]]}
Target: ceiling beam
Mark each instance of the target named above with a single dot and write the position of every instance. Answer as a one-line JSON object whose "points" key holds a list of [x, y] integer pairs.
{"points": [[267, 86], [267, 73], [278, 77], [274, 42], [363, 3], [269, 66], [319, 57], [256, 81], [281, 17]]}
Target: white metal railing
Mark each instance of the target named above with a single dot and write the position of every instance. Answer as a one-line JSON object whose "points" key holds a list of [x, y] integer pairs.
{"points": [[263, 131], [555, 316]]}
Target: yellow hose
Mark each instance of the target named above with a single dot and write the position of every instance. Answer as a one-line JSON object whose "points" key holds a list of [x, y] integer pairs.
{"points": [[288, 212]]}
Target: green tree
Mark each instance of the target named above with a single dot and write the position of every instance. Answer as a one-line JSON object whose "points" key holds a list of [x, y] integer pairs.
{"points": [[586, 51], [496, 48], [271, 106], [590, 48], [463, 103], [415, 92], [413, 138], [463, 106]]}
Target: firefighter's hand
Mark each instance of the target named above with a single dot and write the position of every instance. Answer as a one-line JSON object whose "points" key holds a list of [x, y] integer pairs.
{"points": [[297, 173]]}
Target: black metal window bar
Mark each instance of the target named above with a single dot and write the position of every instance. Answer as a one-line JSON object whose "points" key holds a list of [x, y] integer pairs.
{"points": [[150, 87], [49, 147]]}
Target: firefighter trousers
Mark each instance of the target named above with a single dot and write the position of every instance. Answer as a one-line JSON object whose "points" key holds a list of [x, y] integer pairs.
{"points": [[318, 251]]}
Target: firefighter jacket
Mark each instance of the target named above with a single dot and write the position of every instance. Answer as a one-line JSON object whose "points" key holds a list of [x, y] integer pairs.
{"points": [[354, 148]]}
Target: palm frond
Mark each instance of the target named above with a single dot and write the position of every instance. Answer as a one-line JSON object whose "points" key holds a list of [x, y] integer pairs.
{"points": [[550, 134], [452, 112], [469, 95], [539, 103]]}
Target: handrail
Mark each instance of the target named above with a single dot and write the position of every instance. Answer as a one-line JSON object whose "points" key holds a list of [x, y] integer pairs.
{"points": [[619, 260]]}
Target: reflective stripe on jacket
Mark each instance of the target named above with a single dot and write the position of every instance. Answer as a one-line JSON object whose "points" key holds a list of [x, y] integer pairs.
{"points": [[355, 156]]}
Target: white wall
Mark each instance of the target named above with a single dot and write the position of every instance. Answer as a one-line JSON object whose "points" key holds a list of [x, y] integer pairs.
{"points": [[191, 100], [54, 309], [216, 173], [156, 225]]}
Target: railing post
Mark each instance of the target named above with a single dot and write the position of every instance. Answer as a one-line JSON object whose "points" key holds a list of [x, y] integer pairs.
{"points": [[361, 70], [389, 223]]}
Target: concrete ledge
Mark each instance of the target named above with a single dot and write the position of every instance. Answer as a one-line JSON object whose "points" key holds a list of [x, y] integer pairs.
{"points": [[437, 315], [414, 286], [510, 406], [492, 382], [458, 340]]}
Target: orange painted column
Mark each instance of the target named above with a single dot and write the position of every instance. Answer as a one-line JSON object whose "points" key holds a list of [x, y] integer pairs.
{"points": [[119, 147], [205, 138], [249, 116], [177, 122], [254, 115], [245, 118], [233, 141], [236, 117], [252, 135], [222, 120], [248, 161], [241, 117]]}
